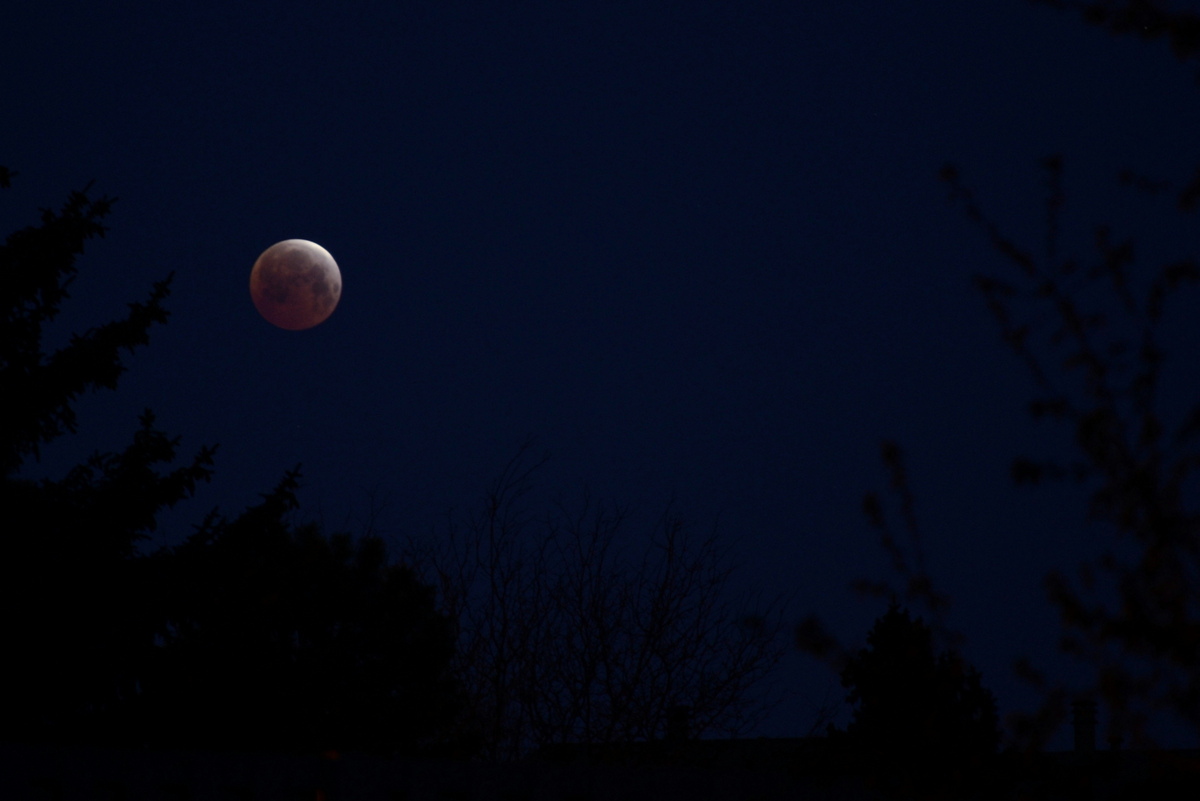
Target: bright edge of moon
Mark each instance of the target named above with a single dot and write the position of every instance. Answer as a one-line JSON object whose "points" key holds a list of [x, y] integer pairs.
{"points": [[295, 284]]}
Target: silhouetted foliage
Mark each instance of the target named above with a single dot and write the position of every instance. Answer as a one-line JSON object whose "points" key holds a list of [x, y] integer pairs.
{"points": [[38, 265], [906, 554], [276, 636], [71, 606], [252, 632], [1147, 19], [1090, 336], [923, 724], [1089, 330]]}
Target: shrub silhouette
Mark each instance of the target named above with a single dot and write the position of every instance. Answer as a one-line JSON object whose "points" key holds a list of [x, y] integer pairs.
{"points": [[923, 723], [277, 636]]}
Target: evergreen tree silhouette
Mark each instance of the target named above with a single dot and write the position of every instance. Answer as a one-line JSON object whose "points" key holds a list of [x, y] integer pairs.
{"points": [[252, 633], [74, 614], [277, 636], [923, 723]]}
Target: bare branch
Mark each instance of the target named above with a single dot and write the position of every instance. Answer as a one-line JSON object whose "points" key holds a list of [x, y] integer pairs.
{"points": [[564, 639]]}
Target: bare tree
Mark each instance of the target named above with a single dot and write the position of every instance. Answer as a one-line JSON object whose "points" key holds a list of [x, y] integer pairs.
{"points": [[564, 639]]}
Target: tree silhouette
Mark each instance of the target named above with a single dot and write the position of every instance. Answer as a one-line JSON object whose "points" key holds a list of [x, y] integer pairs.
{"points": [[1090, 334], [1089, 328], [562, 640], [254, 632], [923, 724], [71, 609], [276, 636]]}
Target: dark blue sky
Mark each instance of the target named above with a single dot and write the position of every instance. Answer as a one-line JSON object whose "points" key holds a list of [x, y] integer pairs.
{"points": [[698, 250]]}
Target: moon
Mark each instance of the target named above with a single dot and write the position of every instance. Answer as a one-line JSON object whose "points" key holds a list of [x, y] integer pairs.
{"points": [[295, 284]]}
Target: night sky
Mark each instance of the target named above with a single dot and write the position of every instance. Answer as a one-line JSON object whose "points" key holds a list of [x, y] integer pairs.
{"points": [[697, 250]]}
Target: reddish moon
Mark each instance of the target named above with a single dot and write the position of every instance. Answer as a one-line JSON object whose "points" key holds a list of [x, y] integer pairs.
{"points": [[295, 284]]}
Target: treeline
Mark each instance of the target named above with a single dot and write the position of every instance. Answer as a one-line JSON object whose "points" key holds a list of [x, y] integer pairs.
{"points": [[261, 631]]}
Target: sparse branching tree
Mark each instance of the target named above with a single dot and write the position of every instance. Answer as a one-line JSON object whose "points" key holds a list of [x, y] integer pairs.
{"points": [[906, 555], [564, 639], [1090, 332]]}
